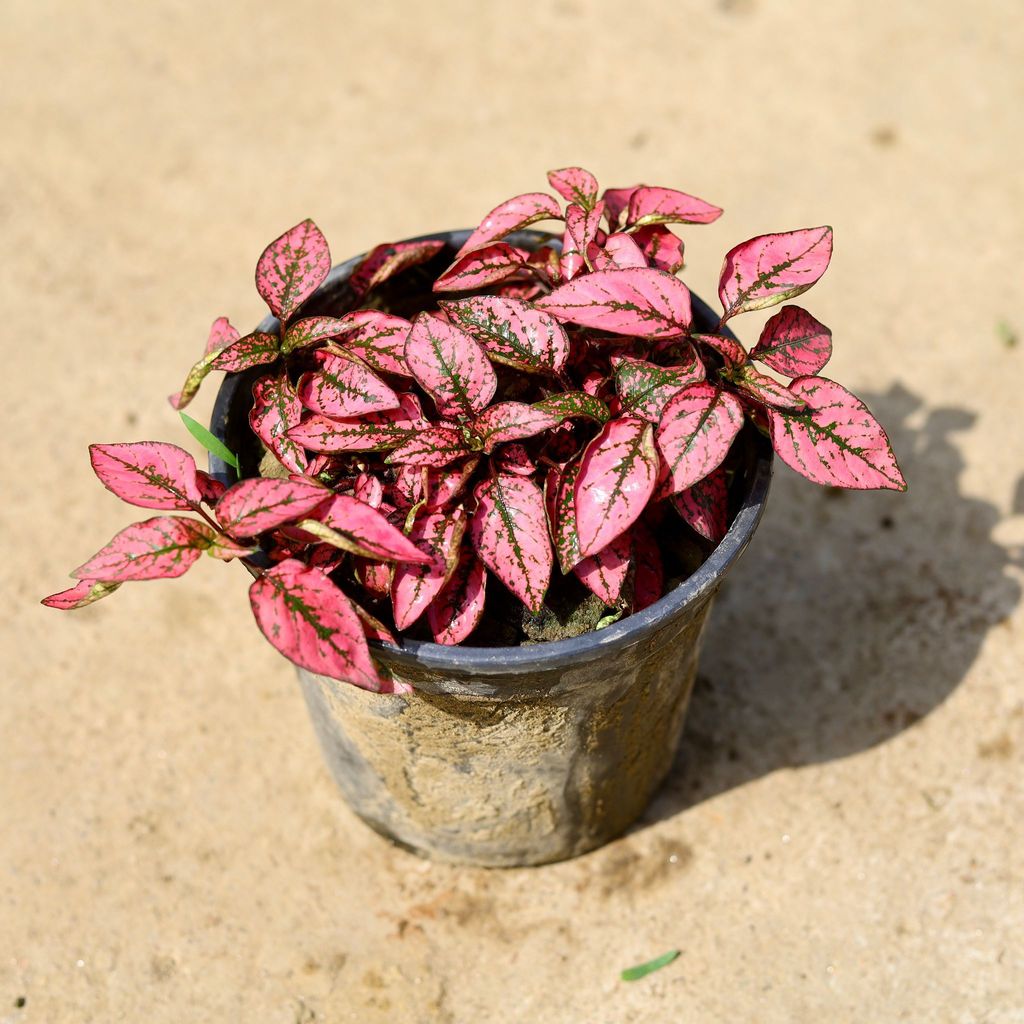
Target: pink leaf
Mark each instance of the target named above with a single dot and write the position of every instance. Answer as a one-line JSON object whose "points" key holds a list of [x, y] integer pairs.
{"points": [[581, 228], [344, 388], [221, 335], [368, 489], [620, 252], [661, 248], [573, 405], [374, 629], [509, 531], [275, 410], [384, 261], [253, 350], [149, 474], [644, 302], [252, 506], [413, 587], [838, 442], [82, 593], [645, 387], [560, 505], [617, 476], [450, 366], [616, 202], [794, 343], [409, 487], [436, 446], [311, 622], [364, 531], [375, 578], [375, 431], [291, 268], [458, 608], [705, 506], [773, 268], [511, 421], [481, 267], [649, 205], [444, 486], [512, 332], [159, 548], [731, 351], [378, 339], [696, 431], [512, 215], [648, 568], [604, 572], [210, 489], [311, 330], [514, 458], [575, 185], [766, 389]]}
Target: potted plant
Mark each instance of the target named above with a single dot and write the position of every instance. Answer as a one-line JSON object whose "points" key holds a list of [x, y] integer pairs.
{"points": [[487, 484]]}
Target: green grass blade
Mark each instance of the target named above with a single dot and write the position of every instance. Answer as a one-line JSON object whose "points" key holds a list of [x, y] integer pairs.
{"points": [[642, 970], [212, 444]]}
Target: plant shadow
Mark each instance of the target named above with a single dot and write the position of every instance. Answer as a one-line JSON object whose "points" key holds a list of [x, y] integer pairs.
{"points": [[850, 617]]}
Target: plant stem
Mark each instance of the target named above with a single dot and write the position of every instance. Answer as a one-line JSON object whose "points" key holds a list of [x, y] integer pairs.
{"points": [[252, 570]]}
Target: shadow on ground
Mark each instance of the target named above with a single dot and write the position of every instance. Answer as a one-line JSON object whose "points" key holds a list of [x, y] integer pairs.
{"points": [[851, 616]]}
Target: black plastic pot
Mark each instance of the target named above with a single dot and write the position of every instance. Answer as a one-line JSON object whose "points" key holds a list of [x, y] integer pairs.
{"points": [[514, 755]]}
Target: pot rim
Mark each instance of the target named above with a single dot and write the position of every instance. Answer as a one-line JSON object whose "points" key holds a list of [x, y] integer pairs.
{"points": [[551, 654]]}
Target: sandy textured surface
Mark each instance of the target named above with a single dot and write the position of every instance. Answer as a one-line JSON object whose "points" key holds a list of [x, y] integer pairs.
{"points": [[842, 838]]}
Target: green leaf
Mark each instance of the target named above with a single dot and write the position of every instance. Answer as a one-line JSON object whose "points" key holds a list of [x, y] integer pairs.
{"points": [[642, 970], [212, 444]]}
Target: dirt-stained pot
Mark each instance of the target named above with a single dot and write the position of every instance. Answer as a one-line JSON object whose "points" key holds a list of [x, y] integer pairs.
{"points": [[511, 756]]}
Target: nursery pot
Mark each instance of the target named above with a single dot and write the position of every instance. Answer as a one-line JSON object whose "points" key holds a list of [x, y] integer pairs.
{"points": [[510, 756]]}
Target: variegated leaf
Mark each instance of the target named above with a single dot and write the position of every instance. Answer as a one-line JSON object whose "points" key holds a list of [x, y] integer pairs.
{"points": [[794, 343], [766, 389], [617, 476], [836, 441], [82, 593], [311, 622], [649, 205], [705, 506], [374, 629], [378, 339], [254, 505], [512, 332], [221, 335], [515, 459], [210, 489], [159, 548], [276, 409], [311, 330], [620, 252], [384, 261], [661, 248], [773, 268], [376, 431], [436, 446], [344, 388], [150, 474], [481, 267], [459, 606], [581, 228], [648, 568], [645, 387], [560, 505], [346, 523], [696, 431], [509, 531], [369, 490], [450, 365], [616, 202], [575, 185], [254, 349], [414, 587], [513, 215], [574, 405], [604, 573], [291, 268], [732, 352], [644, 302], [511, 421], [447, 485]]}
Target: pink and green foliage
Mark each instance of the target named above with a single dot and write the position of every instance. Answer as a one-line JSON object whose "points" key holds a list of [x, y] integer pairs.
{"points": [[545, 413]]}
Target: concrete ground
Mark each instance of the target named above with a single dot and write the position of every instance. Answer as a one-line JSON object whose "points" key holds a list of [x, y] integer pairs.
{"points": [[841, 840]]}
